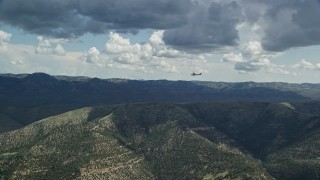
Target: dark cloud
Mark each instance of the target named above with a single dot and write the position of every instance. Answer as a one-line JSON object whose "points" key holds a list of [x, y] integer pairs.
{"points": [[207, 27], [42, 17], [286, 23], [157, 14], [188, 22], [60, 18]]}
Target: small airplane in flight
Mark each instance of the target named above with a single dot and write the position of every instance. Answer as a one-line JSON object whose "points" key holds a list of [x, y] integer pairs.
{"points": [[195, 74]]}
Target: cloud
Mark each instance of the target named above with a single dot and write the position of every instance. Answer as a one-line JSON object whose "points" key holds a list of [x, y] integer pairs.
{"points": [[278, 69], [251, 66], [21, 58], [284, 24], [252, 58], [72, 18], [210, 26], [50, 46], [188, 23], [191, 25], [150, 56], [117, 45], [17, 62], [306, 65], [250, 55], [232, 57], [91, 56], [164, 66], [4, 38]]}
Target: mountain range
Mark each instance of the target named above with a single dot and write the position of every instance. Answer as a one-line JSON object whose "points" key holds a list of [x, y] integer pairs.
{"points": [[59, 127], [39, 95], [41, 89]]}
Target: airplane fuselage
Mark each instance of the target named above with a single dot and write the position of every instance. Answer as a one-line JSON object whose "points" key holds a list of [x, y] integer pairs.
{"points": [[195, 74]]}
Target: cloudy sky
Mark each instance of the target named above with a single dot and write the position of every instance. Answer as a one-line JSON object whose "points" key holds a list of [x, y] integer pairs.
{"points": [[226, 40]]}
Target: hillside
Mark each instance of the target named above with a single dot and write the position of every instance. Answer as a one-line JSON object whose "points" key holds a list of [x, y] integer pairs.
{"points": [[39, 89], [27, 98], [15, 117], [222, 140], [8, 124]]}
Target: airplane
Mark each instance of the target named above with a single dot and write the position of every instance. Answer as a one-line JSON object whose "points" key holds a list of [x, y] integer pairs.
{"points": [[195, 74]]}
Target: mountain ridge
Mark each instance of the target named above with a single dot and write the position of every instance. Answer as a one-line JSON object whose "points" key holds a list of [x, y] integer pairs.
{"points": [[44, 89], [39, 95], [198, 141], [157, 129]]}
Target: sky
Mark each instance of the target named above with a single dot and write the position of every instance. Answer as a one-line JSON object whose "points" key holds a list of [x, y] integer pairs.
{"points": [[226, 40]]}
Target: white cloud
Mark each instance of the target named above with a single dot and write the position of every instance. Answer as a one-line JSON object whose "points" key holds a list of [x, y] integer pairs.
{"points": [[146, 57], [117, 44], [21, 58], [50, 46], [4, 39], [232, 57], [253, 50], [166, 67], [277, 69], [252, 66], [252, 58], [17, 62], [306, 65], [94, 56], [159, 48], [132, 67], [91, 56]]}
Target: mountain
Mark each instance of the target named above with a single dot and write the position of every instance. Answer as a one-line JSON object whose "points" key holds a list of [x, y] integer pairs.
{"points": [[27, 98], [40, 89], [147, 141], [8, 124], [61, 127], [15, 117], [218, 140]]}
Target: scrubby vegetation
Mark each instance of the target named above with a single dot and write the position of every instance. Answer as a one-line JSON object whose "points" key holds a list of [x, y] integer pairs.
{"points": [[229, 140]]}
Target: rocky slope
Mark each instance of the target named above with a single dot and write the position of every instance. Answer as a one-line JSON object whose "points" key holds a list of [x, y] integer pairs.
{"points": [[230, 140]]}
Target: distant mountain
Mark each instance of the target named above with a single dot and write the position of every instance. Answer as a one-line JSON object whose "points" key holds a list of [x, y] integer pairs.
{"points": [[8, 124], [40, 89], [221, 140], [26, 98]]}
